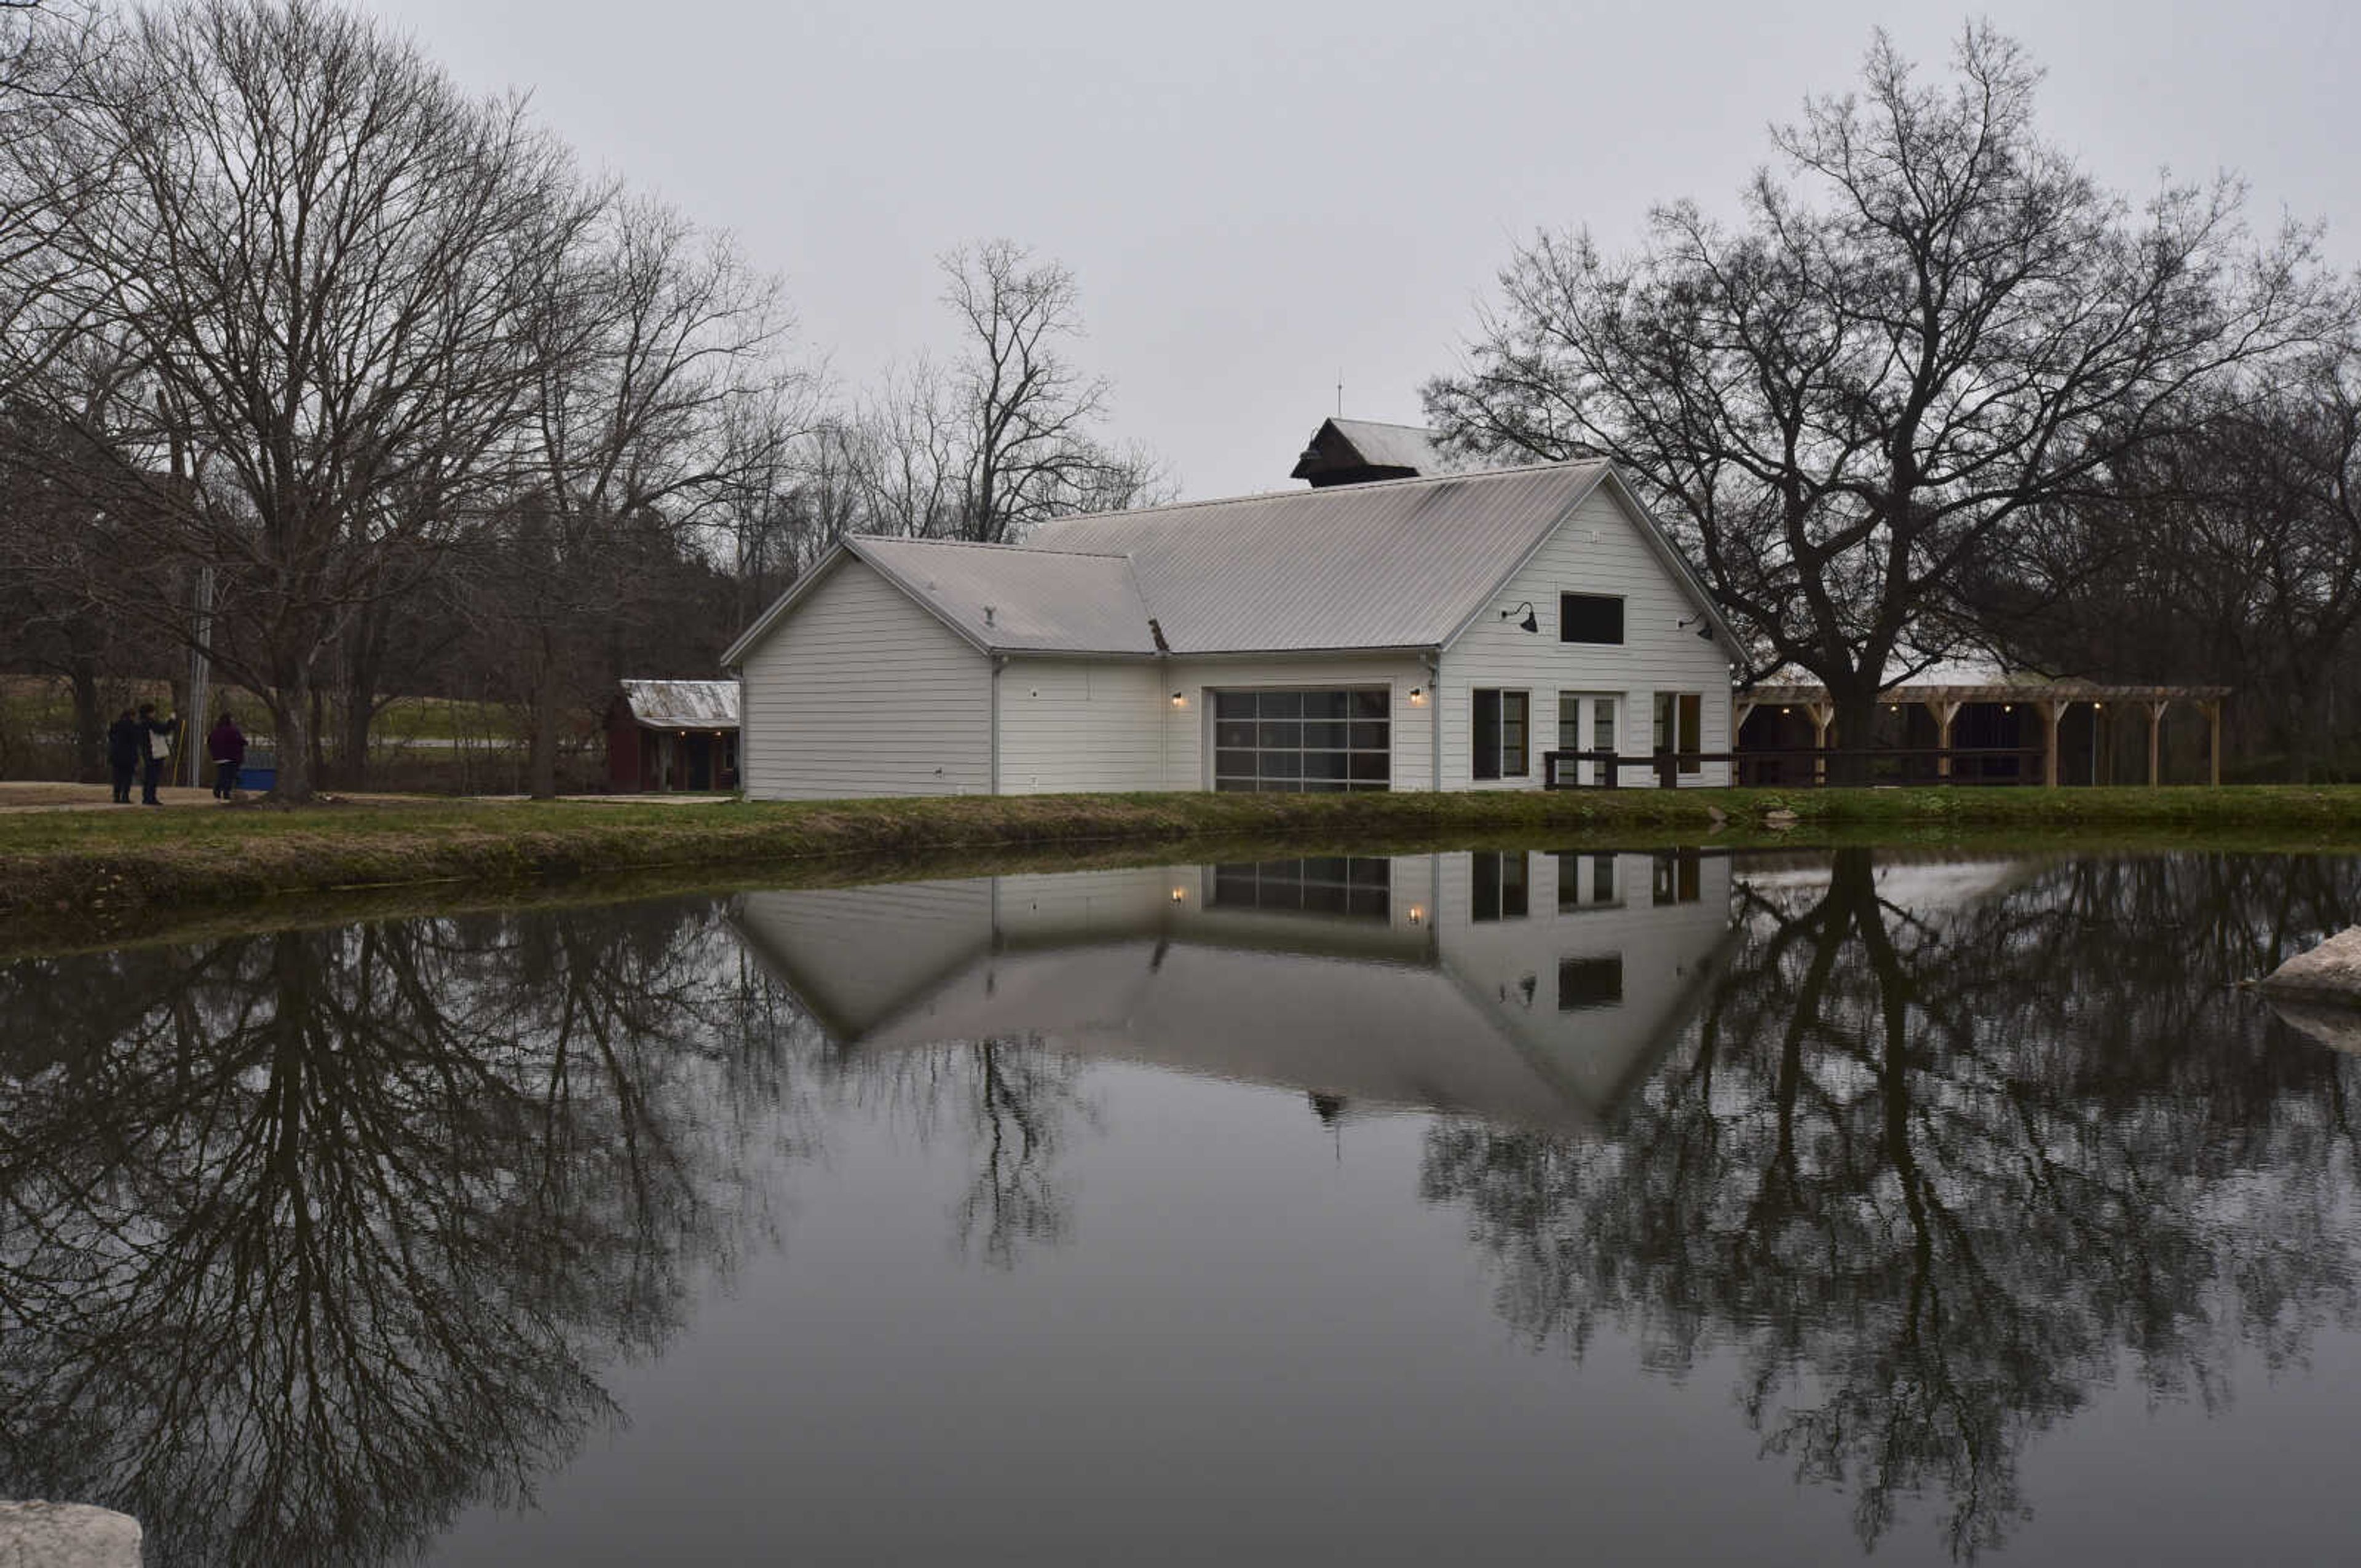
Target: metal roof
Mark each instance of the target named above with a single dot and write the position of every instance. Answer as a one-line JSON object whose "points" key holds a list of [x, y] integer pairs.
{"points": [[2031, 689], [1019, 598], [1398, 564], [684, 705], [1401, 564], [1391, 446]]}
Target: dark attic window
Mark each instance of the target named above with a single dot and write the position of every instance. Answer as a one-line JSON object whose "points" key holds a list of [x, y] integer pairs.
{"points": [[1589, 618]]}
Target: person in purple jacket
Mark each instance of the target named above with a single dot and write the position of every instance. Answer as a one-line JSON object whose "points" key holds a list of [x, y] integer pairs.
{"points": [[226, 746]]}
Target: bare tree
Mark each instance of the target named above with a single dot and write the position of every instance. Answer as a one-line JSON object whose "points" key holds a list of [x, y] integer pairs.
{"points": [[659, 402], [1006, 435], [2225, 554], [316, 256], [1933, 325]]}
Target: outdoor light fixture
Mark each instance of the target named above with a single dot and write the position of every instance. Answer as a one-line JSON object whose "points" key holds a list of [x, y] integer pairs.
{"points": [[1180, 701], [1417, 915], [1530, 624], [1417, 695], [1180, 895]]}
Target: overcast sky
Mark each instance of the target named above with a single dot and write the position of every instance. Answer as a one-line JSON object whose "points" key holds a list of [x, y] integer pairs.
{"points": [[1257, 197]]}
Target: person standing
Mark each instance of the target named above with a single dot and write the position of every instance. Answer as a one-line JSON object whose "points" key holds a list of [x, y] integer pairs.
{"points": [[127, 745], [157, 733], [226, 746]]}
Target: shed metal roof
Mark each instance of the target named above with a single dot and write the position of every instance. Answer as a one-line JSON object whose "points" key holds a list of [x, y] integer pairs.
{"points": [[684, 705]]}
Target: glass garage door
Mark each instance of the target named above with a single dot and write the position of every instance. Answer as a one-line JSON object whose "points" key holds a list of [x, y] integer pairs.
{"points": [[1296, 740]]}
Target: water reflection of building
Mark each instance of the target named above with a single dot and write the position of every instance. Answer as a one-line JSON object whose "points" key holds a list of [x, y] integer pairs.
{"points": [[1526, 988]]}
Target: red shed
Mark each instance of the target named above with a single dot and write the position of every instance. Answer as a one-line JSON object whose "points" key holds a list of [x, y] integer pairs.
{"points": [[669, 735]]}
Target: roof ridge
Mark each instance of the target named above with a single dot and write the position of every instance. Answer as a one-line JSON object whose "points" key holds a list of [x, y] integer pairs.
{"points": [[1322, 491], [1018, 549]]}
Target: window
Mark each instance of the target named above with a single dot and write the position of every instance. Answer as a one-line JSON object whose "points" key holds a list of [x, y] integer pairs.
{"points": [[1502, 730], [1589, 618], [1680, 727], [1589, 982], [1571, 866], [1301, 740], [1503, 886], [1678, 877]]}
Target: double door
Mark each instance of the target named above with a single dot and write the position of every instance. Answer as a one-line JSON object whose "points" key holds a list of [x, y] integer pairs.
{"points": [[1589, 721]]}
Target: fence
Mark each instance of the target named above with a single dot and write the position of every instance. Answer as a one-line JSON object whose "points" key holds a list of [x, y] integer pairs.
{"points": [[1806, 767]]}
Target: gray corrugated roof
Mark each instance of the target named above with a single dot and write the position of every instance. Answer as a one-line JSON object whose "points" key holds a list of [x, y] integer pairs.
{"points": [[1391, 446], [684, 705], [1403, 564], [1039, 601], [1398, 564]]}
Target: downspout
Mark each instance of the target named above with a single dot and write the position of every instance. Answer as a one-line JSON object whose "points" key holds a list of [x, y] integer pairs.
{"points": [[1434, 715], [999, 663]]}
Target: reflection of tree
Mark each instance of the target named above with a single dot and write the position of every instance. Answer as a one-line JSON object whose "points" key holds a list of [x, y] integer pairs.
{"points": [[1935, 1178], [309, 1240], [1012, 1100]]}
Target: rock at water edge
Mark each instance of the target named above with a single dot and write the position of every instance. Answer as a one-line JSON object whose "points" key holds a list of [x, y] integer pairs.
{"points": [[2330, 970], [67, 1535], [2330, 1023]]}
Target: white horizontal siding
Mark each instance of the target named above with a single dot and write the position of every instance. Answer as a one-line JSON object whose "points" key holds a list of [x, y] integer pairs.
{"points": [[860, 692], [1073, 725], [1598, 550], [1189, 727]]}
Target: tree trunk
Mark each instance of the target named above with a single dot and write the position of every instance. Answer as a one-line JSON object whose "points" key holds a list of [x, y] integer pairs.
{"points": [[540, 750], [290, 713], [90, 724], [1856, 728]]}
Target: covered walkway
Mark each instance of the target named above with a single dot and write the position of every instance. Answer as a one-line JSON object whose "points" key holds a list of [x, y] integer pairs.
{"points": [[1989, 732]]}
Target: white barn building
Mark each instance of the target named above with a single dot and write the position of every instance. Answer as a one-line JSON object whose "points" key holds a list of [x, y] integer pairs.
{"points": [[1424, 634]]}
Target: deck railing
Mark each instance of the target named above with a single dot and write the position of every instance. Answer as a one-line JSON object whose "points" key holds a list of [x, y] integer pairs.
{"points": [[1804, 767]]}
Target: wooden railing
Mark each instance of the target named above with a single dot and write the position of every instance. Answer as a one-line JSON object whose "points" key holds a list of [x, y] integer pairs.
{"points": [[1806, 767]]}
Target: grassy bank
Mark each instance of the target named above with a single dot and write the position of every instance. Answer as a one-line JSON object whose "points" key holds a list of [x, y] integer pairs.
{"points": [[83, 875]]}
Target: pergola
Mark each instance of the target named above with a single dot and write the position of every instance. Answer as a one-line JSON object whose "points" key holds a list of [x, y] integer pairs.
{"points": [[2051, 699]]}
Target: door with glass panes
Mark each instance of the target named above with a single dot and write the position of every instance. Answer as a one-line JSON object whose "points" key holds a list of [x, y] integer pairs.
{"points": [[1588, 721], [1297, 740]]}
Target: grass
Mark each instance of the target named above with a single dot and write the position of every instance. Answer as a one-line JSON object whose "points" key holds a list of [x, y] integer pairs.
{"points": [[77, 877]]}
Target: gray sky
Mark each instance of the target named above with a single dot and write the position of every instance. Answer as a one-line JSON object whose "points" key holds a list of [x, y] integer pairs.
{"points": [[1258, 196]]}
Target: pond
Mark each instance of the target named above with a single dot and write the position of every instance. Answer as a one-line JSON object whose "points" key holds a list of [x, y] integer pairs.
{"points": [[1665, 1207]]}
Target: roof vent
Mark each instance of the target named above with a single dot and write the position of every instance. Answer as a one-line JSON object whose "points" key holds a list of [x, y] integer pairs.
{"points": [[988, 611]]}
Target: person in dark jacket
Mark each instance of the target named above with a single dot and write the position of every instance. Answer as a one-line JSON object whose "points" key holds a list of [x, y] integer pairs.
{"points": [[127, 746], [226, 746], [157, 733]]}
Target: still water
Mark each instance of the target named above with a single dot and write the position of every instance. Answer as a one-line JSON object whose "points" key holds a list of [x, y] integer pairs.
{"points": [[1493, 1207]]}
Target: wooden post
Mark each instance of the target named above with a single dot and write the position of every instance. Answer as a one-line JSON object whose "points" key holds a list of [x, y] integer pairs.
{"points": [[1823, 715], [1944, 712], [2155, 740], [2050, 717], [1740, 709], [2213, 742]]}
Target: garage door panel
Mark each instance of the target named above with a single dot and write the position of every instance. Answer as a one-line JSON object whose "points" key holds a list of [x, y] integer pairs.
{"points": [[1297, 740]]}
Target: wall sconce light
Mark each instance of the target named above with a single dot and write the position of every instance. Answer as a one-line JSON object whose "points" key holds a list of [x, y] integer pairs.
{"points": [[1782, 711], [1418, 696], [1180, 895], [1704, 627], [1178, 700], [1417, 915], [1531, 624], [2008, 708]]}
